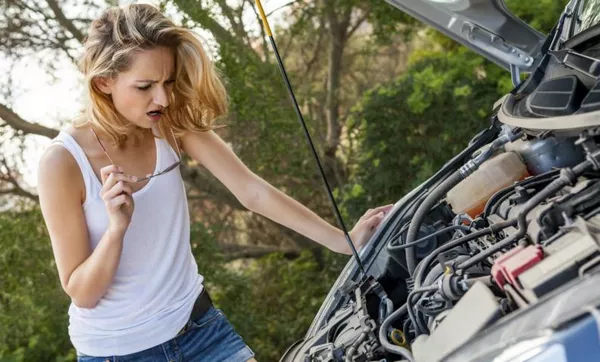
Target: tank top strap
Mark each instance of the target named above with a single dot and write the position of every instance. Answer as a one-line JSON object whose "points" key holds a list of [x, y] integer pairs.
{"points": [[167, 155], [89, 177]]}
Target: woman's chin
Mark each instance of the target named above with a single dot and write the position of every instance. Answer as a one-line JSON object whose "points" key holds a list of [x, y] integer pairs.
{"points": [[144, 124]]}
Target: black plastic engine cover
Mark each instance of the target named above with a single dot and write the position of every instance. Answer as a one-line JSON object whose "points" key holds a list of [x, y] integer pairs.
{"points": [[556, 97]]}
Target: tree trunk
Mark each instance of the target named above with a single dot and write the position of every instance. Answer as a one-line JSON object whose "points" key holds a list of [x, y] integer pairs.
{"points": [[337, 43]]}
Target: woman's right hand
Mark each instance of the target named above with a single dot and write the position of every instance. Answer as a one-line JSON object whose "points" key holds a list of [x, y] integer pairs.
{"points": [[117, 195]]}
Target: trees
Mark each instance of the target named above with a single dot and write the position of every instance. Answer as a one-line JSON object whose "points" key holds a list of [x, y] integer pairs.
{"points": [[262, 130], [262, 124], [33, 316], [406, 129]]}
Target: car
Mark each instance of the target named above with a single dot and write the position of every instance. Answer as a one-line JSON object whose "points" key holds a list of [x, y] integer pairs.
{"points": [[496, 257]]}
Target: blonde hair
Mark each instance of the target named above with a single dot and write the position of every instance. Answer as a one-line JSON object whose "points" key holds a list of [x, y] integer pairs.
{"points": [[198, 94]]}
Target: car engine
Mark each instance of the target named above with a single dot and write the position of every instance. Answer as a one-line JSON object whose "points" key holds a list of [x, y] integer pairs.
{"points": [[496, 257], [508, 230]]}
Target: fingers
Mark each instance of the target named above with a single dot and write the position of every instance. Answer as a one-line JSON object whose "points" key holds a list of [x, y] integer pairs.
{"points": [[119, 188], [116, 189], [115, 177], [119, 201], [385, 209], [106, 171], [375, 220]]}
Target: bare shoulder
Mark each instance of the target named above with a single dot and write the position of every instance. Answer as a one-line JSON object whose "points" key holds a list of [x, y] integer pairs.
{"points": [[199, 144], [201, 139], [81, 135], [57, 167]]}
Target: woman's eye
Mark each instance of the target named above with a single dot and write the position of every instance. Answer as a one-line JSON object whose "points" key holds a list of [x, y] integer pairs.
{"points": [[144, 88]]}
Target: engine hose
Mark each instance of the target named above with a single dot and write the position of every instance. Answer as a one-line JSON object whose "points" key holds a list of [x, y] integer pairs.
{"points": [[386, 306], [430, 236], [420, 273], [567, 176], [437, 270], [419, 329], [401, 351], [446, 185], [415, 224], [500, 196], [482, 138]]}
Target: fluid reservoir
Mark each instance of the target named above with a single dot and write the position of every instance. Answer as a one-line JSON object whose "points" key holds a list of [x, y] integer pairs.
{"points": [[472, 193]]}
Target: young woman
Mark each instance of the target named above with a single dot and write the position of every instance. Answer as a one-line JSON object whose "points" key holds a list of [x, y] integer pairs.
{"points": [[115, 205]]}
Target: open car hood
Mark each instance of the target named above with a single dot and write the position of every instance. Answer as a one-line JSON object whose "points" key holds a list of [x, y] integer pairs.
{"points": [[486, 26]]}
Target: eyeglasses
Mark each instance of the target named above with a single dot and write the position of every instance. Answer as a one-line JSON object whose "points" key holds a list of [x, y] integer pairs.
{"points": [[141, 179]]}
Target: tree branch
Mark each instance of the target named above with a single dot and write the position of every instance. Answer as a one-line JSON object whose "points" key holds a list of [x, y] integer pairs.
{"points": [[18, 123], [203, 17], [235, 251], [64, 22], [317, 50], [9, 176], [263, 35], [238, 29], [357, 24]]}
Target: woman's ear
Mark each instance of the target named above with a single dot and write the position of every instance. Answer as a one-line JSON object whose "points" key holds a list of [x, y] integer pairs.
{"points": [[104, 84]]}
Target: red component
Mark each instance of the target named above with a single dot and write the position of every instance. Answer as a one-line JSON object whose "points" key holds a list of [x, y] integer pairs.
{"points": [[509, 266]]}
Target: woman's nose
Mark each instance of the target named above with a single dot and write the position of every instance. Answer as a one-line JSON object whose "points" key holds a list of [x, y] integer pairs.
{"points": [[161, 97]]}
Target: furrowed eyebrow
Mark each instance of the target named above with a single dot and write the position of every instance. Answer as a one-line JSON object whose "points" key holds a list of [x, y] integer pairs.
{"points": [[153, 81]]}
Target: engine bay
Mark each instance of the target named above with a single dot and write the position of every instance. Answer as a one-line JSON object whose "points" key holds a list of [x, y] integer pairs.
{"points": [[496, 257], [487, 240]]}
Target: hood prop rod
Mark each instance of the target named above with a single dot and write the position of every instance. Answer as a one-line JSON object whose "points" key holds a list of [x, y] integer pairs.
{"points": [[308, 137]]}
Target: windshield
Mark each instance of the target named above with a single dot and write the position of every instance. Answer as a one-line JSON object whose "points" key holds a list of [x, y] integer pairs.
{"points": [[589, 16]]}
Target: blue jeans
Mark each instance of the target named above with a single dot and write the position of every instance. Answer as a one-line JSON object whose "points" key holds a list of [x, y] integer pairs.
{"points": [[209, 338]]}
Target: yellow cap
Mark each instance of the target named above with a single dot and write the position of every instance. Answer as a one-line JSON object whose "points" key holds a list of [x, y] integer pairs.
{"points": [[398, 338]]}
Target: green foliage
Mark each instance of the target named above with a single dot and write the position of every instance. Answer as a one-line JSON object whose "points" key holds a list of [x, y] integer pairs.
{"points": [[541, 14], [271, 303], [33, 306], [276, 314], [387, 22], [407, 129], [262, 119], [262, 116]]}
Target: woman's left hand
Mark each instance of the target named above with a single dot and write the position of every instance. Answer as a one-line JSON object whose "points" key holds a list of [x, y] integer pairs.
{"points": [[366, 227]]}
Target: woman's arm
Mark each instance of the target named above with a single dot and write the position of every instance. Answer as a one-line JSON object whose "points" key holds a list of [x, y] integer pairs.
{"points": [[84, 275], [259, 196]]}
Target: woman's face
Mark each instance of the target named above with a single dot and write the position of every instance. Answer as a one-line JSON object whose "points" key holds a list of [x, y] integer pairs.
{"points": [[145, 88]]}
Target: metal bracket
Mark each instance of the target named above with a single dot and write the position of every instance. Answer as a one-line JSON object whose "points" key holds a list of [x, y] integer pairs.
{"points": [[496, 45], [515, 75]]}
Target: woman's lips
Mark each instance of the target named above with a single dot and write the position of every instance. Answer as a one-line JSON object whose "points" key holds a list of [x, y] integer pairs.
{"points": [[154, 116]]}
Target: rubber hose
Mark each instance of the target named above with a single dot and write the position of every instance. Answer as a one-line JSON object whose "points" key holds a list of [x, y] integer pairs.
{"points": [[416, 221], [491, 229], [401, 351], [567, 176], [430, 236], [437, 270]]}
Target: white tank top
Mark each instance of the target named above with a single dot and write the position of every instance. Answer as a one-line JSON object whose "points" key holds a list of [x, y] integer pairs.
{"points": [[157, 280]]}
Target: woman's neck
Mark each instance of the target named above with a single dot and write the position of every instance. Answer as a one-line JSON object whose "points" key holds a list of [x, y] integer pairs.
{"points": [[135, 137]]}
